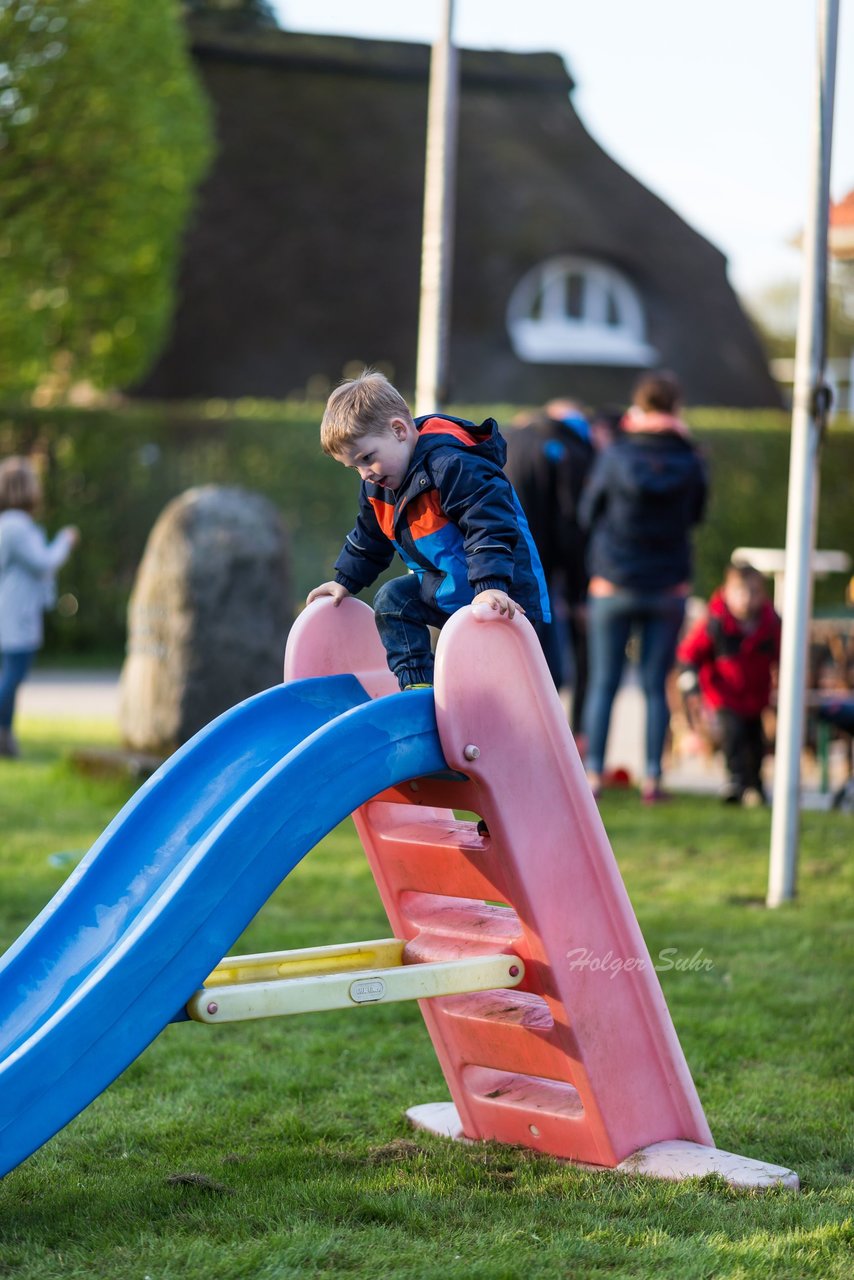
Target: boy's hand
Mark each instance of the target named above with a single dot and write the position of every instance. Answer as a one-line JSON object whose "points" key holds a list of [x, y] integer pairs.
{"points": [[498, 600], [333, 589]]}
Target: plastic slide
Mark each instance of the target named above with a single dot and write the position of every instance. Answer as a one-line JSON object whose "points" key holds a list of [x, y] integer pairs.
{"points": [[580, 1060], [177, 876]]}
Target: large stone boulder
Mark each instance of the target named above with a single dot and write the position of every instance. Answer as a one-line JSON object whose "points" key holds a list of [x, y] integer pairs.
{"points": [[208, 616]]}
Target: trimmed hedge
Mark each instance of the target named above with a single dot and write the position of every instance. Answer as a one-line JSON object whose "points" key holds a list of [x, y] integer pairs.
{"points": [[112, 472], [748, 456]]}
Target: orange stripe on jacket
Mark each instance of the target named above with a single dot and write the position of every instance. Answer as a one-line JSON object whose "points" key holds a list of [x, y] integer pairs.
{"points": [[441, 427], [424, 515], [384, 513]]}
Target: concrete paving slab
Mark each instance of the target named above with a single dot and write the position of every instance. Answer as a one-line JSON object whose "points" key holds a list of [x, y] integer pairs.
{"points": [[70, 695]]}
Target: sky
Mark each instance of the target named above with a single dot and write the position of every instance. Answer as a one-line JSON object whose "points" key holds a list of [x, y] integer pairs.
{"points": [[709, 105]]}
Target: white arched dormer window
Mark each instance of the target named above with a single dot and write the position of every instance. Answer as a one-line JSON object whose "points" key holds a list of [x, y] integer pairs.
{"points": [[573, 310]]}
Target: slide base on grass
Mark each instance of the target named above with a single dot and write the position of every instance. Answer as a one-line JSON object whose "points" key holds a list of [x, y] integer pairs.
{"points": [[672, 1160]]}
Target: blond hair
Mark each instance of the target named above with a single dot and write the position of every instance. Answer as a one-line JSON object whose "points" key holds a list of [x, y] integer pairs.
{"points": [[362, 406], [20, 487]]}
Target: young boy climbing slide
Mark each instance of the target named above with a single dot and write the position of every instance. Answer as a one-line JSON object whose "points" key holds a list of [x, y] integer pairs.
{"points": [[433, 490]]}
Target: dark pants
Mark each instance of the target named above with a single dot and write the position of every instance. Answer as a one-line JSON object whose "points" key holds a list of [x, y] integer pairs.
{"points": [[578, 638], [565, 637], [743, 744], [12, 675], [403, 619], [610, 622], [552, 640]]}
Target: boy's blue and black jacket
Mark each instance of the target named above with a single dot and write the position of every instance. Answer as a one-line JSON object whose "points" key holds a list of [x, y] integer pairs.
{"points": [[455, 521]]}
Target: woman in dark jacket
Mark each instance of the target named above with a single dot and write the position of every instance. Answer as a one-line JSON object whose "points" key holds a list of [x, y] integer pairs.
{"points": [[645, 494]]}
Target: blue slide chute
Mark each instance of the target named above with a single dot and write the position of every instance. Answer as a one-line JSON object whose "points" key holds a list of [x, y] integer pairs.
{"points": [[175, 879]]}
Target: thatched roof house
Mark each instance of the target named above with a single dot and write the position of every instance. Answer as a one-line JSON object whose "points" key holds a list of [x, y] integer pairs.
{"points": [[304, 254]]}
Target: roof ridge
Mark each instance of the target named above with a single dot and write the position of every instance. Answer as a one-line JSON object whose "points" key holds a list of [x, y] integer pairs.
{"points": [[544, 71]]}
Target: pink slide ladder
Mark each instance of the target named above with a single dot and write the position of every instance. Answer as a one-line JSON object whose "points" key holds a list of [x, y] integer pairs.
{"points": [[581, 1061]]}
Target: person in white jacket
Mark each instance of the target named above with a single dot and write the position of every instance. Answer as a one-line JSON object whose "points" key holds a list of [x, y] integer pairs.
{"points": [[28, 567]]}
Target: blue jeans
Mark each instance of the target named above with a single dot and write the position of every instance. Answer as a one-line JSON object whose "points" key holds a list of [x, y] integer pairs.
{"points": [[610, 622], [402, 621], [12, 673]]}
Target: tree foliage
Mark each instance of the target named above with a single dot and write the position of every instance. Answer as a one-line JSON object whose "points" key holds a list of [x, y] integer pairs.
{"points": [[103, 137], [775, 313]]}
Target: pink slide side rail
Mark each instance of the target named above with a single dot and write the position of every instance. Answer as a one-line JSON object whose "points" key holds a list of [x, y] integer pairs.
{"points": [[582, 1061]]}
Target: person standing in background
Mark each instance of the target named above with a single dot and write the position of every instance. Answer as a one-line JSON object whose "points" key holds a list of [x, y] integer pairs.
{"points": [[605, 425], [645, 494], [729, 660], [28, 567], [548, 461]]}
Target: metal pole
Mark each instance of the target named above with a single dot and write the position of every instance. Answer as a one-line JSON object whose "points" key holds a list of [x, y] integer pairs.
{"points": [[808, 418], [438, 234]]}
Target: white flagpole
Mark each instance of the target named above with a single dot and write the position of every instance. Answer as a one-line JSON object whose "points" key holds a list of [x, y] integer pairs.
{"points": [[438, 233], [808, 418]]}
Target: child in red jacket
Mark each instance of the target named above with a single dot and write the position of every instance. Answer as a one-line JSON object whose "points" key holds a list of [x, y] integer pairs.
{"points": [[728, 661]]}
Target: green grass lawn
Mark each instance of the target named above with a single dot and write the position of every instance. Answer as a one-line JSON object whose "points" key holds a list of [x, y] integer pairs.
{"points": [[280, 1149]]}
